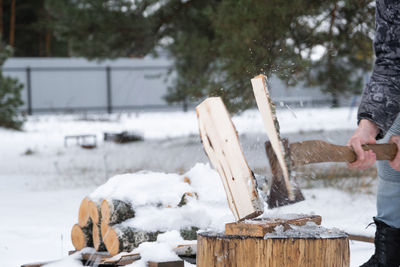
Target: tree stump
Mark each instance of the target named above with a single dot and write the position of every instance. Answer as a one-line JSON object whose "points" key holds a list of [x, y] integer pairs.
{"points": [[220, 250]]}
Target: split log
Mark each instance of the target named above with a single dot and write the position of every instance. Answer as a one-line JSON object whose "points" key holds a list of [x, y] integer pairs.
{"points": [[82, 236], [222, 146], [259, 227], [94, 211], [114, 211], [98, 243], [83, 215], [268, 114], [220, 250], [119, 238]]}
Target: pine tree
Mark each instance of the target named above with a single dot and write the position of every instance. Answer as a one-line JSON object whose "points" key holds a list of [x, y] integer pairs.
{"points": [[217, 46], [10, 95]]}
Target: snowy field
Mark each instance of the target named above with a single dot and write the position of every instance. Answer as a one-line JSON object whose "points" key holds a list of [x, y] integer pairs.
{"points": [[42, 182]]}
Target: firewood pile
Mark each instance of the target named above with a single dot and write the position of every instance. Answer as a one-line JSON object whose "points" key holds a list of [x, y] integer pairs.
{"points": [[131, 209]]}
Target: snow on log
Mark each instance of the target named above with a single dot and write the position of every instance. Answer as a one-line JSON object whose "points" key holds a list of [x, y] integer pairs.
{"points": [[114, 211], [98, 243], [119, 238], [82, 236], [144, 189], [83, 215], [222, 146]]}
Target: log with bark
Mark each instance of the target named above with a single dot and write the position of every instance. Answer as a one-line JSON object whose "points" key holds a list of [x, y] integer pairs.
{"points": [[119, 238], [94, 211], [82, 236], [114, 211], [98, 243], [83, 215]]}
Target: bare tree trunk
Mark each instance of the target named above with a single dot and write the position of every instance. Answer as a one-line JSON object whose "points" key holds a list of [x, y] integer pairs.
{"points": [[12, 23], [1, 19], [47, 43]]}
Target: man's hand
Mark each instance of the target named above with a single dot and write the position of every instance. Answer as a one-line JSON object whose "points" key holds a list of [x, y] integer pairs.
{"points": [[365, 134], [395, 163]]}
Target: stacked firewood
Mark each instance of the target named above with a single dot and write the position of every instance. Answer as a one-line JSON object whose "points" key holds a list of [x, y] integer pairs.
{"points": [[101, 225]]}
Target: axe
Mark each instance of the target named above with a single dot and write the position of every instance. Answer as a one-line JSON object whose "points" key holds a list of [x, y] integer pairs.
{"points": [[282, 156]]}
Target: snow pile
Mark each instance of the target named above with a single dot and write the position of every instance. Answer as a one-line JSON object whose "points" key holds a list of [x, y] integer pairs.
{"points": [[161, 250], [309, 230], [165, 202], [144, 188]]}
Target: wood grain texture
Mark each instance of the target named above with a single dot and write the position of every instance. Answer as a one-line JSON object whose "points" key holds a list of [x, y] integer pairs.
{"points": [[81, 237], [221, 251], [315, 151], [258, 228], [83, 214], [222, 146], [268, 114]]}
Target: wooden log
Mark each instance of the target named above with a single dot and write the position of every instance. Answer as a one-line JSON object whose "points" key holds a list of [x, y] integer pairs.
{"points": [[186, 197], [221, 144], [188, 249], [119, 238], [236, 251], [268, 114], [258, 228], [94, 211], [83, 215], [82, 236], [189, 233], [98, 243], [114, 211], [179, 263]]}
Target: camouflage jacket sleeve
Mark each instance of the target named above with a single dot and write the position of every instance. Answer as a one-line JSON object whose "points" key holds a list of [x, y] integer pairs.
{"points": [[381, 97]]}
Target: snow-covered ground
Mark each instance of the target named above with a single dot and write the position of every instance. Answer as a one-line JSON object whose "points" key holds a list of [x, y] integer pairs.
{"points": [[42, 182]]}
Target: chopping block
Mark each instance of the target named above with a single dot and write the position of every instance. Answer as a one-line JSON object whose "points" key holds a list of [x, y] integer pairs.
{"points": [[285, 240]]}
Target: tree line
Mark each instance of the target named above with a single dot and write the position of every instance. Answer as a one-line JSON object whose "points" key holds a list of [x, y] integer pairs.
{"points": [[216, 45]]}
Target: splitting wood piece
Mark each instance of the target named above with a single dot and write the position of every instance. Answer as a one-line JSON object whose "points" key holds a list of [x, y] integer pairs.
{"points": [[282, 191], [222, 146], [259, 227], [81, 236], [114, 211], [315, 151]]}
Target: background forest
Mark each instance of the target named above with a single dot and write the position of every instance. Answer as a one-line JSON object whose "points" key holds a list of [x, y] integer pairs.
{"points": [[216, 45]]}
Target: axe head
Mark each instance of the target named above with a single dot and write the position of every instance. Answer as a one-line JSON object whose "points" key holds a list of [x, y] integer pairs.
{"points": [[282, 191], [278, 193]]}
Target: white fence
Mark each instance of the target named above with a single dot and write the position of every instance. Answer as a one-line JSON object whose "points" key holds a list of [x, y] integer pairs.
{"points": [[76, 85]]}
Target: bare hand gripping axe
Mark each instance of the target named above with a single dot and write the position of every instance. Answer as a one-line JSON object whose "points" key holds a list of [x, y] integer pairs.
{"points": [[283, 156]]}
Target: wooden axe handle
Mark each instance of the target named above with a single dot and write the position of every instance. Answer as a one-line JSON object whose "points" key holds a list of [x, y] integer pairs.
{"points": [[315, 151]]}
